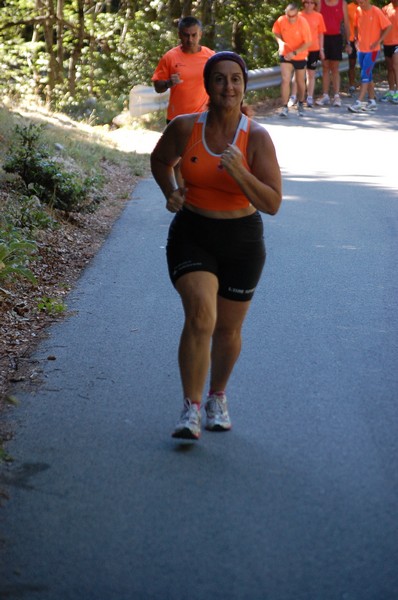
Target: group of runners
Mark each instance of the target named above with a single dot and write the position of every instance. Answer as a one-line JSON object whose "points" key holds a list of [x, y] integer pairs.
{"points": [[322, 31]]}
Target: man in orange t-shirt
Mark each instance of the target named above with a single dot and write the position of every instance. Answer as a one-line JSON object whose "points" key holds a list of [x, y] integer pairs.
{"points": [[370, 27], [181, 70], [391, 52], [294, 38]]}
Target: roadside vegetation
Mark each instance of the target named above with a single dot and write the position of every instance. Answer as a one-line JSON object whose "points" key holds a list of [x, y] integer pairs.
{"points": [[62, 185]]}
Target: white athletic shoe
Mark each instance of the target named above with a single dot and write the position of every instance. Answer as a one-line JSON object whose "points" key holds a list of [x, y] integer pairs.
{"points": [[371, 106], [324, 101], [337, 100], [292, 101], [188, 425], [358, 107], [217, 417]]}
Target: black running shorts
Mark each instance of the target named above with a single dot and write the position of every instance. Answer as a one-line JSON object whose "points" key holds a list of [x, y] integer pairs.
{"points": [[390, 50], [312, 60], [232, 249], [298, 65], [333, 47]]}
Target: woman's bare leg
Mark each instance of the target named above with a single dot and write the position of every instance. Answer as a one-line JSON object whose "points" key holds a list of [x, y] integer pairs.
{"points": [[227, 341], [198, 291]]}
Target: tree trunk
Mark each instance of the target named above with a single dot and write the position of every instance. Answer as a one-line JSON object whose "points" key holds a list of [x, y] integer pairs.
{"points": [[93, 15], [60, 41], [35, 39], [75, 56], [125, 28], [47, 8], [186, 8], [207, 16]]}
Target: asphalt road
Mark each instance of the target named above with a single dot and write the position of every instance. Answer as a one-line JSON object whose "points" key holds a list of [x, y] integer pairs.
{"points": [[299, 500]]}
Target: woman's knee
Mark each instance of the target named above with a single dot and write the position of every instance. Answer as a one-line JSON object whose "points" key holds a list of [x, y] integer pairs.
{"points": [[199, 299], [200, 317], [228, 335]]}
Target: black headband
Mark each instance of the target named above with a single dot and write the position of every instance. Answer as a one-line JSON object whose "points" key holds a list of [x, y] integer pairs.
{"points": [[225, 55]]}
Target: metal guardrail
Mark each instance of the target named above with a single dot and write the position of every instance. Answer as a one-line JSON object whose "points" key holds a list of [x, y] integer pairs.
{"points": [[143, 99]]}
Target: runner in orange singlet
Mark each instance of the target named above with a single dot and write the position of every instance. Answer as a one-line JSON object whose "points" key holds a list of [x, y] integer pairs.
{"points": [[215, 247]]}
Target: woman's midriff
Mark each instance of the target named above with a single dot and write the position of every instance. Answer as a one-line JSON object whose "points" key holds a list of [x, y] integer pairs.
{"points": [[222, 214]]}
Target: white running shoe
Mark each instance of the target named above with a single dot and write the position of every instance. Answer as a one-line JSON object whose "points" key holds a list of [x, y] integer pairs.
{"points": [[324, 101], [310, 101], [336, 100], [371, 106], [188, 426], [217, 417], [284, 112], [292, 101], [300, 109], [358, 107]]}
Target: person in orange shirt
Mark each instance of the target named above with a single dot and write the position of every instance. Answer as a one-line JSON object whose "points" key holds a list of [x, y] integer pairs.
{"points": [[315, 51], [181, 70], [294, 38], [352, 58], [370, 27], [391, 52]]}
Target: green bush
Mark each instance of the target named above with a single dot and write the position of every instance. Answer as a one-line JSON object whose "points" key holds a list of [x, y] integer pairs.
{"points": [[27, 213], [43, 175]]}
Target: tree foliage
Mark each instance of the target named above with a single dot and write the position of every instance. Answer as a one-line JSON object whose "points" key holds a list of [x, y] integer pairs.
{"points": [[83, 56]]}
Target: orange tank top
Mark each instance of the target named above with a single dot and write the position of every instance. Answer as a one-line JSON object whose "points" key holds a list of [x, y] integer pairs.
{"points": [[208, 184]]}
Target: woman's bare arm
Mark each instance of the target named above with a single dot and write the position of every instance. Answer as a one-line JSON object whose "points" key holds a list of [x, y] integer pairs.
{"points": [[167, 154]]}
